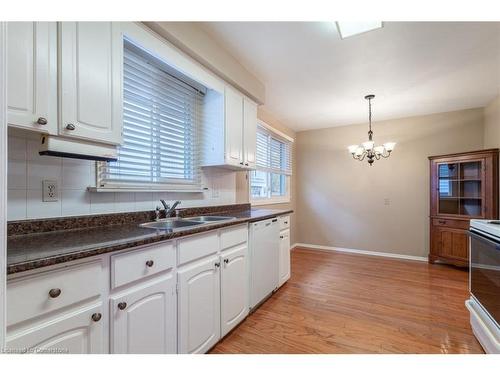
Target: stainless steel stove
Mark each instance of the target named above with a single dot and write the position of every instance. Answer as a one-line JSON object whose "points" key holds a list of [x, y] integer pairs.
{"points": [[484, 282]]}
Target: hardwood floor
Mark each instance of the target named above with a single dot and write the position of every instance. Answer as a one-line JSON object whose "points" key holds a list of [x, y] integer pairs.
{"points": [[347, 303]]}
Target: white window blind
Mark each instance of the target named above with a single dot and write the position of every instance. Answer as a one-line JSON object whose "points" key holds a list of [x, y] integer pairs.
{"points": [[161, 122], [273, 154]]}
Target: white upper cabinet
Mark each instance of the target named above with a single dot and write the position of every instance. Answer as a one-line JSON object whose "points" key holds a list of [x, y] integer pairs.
{"points": [[230, 130], [32, 75], [249, 132], [90, 74], [234, 287], [199, 306], [144, 319], [234, 127]]}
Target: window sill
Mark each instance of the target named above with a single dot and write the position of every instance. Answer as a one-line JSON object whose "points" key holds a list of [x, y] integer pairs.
{"points": [[137, 190], [265, 202]]}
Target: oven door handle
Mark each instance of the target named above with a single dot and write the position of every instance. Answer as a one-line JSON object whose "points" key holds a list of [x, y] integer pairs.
{"points": [[496, 245]]}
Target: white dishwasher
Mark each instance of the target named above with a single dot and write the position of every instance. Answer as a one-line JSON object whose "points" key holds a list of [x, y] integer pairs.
{"points": [[264, 259]]}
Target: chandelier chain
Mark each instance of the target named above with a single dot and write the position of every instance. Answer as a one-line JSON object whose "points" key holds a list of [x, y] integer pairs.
{"points": [[370, 133]]}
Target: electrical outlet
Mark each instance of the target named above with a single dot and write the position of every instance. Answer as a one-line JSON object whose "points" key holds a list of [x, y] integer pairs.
{"points": [[50, 191], [387, 202]]}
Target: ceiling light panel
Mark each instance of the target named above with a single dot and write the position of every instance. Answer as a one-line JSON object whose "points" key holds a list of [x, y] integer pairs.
{"points": [[347, 29]]}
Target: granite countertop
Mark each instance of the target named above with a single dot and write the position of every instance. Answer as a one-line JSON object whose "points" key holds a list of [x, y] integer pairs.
{"points": [[41, 249]]}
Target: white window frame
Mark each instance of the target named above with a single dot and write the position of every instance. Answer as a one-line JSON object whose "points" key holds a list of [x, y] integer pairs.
{"points": [[288, 178], [163, 50]]}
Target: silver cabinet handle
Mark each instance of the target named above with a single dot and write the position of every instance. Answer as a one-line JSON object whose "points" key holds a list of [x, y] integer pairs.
{"points": [[150, 263], [41, 121], [122, 305], [96, 317], [54, 293], [70, 127]]}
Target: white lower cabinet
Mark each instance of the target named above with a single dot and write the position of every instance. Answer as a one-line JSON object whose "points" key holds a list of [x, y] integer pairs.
{"points": [[160, 301], [284, 257], [143, 318], [199, 305], [78, 332], [234, 287]]}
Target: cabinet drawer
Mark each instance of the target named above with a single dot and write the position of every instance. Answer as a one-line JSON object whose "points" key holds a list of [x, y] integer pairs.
{"points": [[198, 246], [39, 294], [284, 222], [461, 224], [137, 264], [233, 236]]}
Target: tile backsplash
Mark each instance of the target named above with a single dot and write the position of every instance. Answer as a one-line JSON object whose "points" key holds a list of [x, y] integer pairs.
{"points": [[27, 169]]}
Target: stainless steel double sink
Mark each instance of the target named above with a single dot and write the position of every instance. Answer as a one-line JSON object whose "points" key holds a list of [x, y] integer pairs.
{"points": [[178, 224]]}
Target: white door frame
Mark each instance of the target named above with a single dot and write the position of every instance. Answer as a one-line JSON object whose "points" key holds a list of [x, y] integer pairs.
{"points": [[3, 178]]}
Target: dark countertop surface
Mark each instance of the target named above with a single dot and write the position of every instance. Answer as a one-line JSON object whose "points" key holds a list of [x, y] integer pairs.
{"points": [[31, 251]]}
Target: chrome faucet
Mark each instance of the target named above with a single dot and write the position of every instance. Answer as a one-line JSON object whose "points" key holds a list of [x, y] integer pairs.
{"points": [[168, 210]]}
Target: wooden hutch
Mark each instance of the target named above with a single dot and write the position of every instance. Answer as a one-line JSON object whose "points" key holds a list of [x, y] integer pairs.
{"points": [[463, 186]]}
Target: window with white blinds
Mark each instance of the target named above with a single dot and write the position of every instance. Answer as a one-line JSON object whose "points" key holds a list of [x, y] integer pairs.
{"points": [[273, 154], [161, 122], [270, 181]]}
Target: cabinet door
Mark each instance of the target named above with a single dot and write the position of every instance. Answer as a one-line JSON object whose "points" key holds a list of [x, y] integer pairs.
{"points": [[234, 287], [91, 72], [80, 332], [450, 243], [284, 256], [234, 127], [143, 319], [199, 306], [249, 132], [32, 72]]}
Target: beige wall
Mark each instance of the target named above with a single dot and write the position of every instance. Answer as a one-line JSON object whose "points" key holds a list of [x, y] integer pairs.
{"points": [[242, 177], [341, 202], [492, 124], [193, 40]]}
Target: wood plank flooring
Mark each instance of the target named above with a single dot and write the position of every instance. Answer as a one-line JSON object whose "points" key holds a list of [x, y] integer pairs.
{"points": [[348, 303]]}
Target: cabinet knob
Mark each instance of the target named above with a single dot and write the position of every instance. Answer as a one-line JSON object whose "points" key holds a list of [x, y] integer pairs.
{"points": [[217, 265], [54, 293], [226, 261], [241, 163], [122, 305], [246, 164], [150, 263], [41, 121], [96, 317], [442, 221], [70, 127], [281, 236]]}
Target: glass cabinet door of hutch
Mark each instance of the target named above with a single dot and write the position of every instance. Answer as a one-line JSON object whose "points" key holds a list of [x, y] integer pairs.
{"points": [[460, 188]]}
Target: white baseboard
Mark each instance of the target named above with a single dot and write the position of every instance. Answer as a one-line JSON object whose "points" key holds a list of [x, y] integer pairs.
{"points": [[356, 251]]}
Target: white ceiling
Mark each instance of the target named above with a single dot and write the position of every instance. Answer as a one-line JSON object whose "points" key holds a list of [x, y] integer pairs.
{"points": [[314, 79]]}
